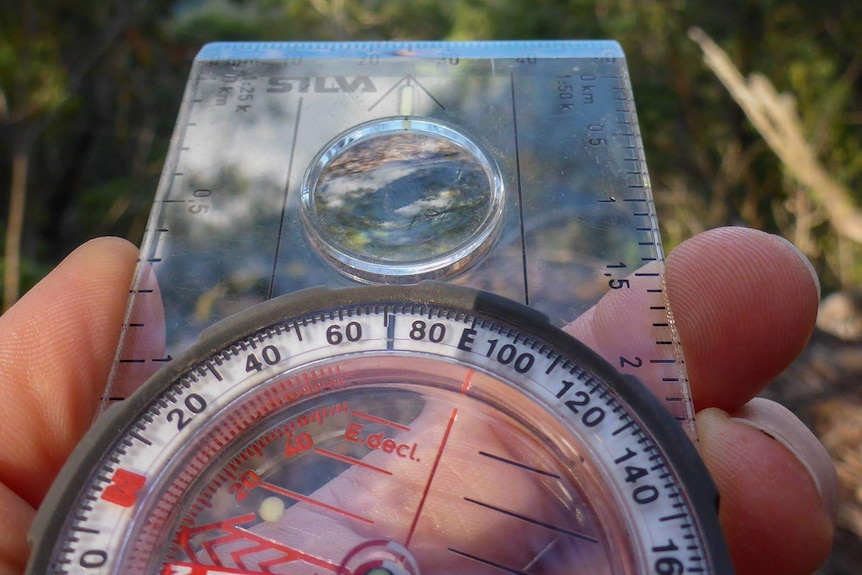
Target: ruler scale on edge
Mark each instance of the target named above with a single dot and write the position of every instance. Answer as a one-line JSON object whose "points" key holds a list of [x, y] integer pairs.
{"points": [[559, 123]]}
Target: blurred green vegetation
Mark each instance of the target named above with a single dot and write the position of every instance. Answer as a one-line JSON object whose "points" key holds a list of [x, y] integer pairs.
{"points": [[89, 91]]}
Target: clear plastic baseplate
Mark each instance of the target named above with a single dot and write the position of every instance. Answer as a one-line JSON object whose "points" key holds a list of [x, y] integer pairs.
{"points": [[511, 167]]}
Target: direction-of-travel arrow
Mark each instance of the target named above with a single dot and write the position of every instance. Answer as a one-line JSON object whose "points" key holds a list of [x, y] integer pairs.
{"points": [[407, 80]]}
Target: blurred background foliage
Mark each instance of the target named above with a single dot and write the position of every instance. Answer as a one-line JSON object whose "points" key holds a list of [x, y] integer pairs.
{"points": [[89, 91]]}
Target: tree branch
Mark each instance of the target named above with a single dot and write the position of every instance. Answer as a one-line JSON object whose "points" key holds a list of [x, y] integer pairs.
{"points": [[14, 228], [775, 117]]}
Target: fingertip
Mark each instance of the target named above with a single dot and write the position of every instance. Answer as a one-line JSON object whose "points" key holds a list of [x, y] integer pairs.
{"points": [[779, 423], [809, 267], [773, 517], [111, 254], [56, 347], [107, 244], [744, 302]]}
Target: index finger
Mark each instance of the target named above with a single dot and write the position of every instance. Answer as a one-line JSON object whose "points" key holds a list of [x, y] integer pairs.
{"points": [[56, 348]]}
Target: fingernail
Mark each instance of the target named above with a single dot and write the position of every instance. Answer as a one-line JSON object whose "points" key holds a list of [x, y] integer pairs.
{"points": [[807, 263], [781, 424]]}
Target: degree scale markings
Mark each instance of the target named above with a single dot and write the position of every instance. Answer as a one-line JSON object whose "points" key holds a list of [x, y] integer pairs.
{"points": [[389, 322], [232, 368]]}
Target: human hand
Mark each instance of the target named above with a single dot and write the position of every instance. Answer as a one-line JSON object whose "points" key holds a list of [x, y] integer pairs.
{"points": [[744, 301]]}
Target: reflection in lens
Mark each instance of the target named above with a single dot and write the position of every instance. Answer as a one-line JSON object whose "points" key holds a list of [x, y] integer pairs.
{"points": [[402, 198]]}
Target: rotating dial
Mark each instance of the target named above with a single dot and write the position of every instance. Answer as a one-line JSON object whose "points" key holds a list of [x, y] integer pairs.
{"points": [[384, 431]]}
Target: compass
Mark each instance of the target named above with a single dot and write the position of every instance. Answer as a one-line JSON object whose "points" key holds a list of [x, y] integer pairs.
{"points": [[366, 254], [385, 430]]}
